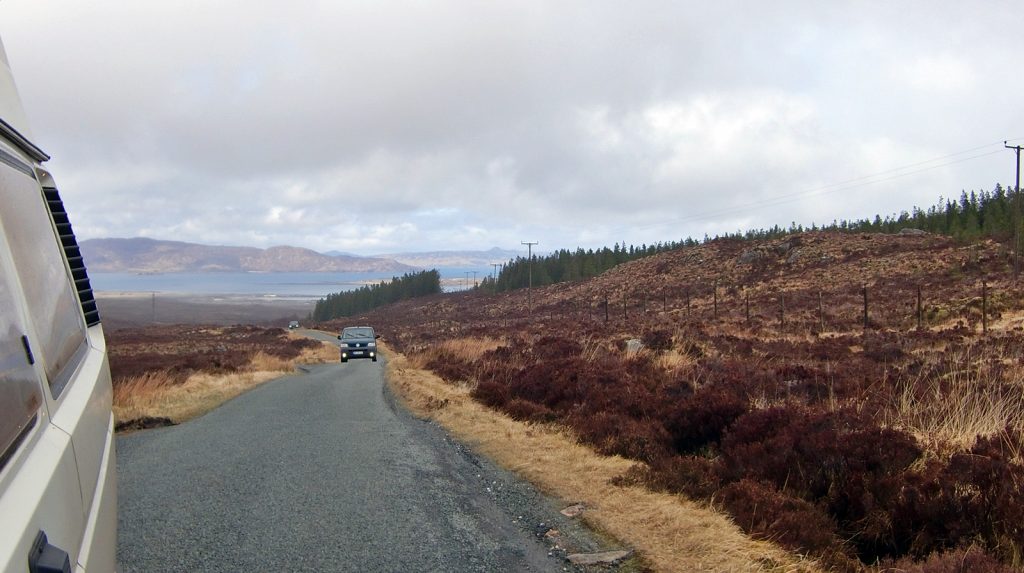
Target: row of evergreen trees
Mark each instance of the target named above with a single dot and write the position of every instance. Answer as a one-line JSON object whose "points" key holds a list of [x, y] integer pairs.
{"points": [[369, 297], [976, 215], [985, 214], [565, 265]]}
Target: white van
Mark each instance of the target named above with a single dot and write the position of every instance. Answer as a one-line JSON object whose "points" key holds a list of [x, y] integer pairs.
{"points": [[58, 500]]}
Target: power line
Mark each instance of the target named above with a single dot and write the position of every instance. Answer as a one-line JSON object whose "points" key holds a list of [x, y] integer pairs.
{"points": [[845, 185]]}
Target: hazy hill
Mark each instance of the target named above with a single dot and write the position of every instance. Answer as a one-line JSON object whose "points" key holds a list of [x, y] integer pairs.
{"points": [[447, 259], [155, 256]]}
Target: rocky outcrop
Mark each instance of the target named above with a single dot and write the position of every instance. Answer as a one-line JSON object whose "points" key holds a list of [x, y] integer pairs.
{"points": [[909, 232]]}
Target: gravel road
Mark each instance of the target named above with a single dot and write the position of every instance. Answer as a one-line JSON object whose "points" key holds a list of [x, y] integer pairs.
{"points": [[323, 472]]}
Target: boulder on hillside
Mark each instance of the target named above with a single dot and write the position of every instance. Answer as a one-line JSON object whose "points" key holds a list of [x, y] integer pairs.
{"points": [[911, 232], [751, 256]]}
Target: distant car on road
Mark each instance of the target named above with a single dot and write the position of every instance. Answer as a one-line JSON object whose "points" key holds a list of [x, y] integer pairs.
{"points": [[358, 342], [293, 325]]}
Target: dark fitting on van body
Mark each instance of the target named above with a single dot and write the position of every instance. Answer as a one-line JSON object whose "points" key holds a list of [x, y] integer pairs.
{"points": [[28, 350], [46, 558]]}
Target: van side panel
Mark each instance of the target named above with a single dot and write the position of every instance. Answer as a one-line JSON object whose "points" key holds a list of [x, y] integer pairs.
{"points": [[43, 494], [100, 540], [85, 415]]}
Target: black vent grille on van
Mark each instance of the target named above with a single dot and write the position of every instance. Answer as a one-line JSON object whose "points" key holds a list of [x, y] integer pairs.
{"points": [[74, 255]]}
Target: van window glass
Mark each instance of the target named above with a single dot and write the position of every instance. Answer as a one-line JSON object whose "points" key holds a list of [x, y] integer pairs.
{"points": [[20, 396], [52, 304]]}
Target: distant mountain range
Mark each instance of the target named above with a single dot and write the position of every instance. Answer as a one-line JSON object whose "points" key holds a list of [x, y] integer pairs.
{"points": [[141, 255]]}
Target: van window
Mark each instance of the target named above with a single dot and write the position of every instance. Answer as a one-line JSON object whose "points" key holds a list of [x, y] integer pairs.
{"points": [[52, 302], [20, 396]]}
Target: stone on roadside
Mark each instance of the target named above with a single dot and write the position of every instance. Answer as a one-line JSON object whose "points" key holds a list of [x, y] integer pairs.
{"points": [[573, 510], [603, 558]]}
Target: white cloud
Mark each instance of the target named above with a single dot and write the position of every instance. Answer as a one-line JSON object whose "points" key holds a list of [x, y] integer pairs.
{"points": [[404, 125], [936, 73]]}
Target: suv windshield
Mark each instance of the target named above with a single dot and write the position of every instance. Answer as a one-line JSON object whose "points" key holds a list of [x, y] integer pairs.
{"points": [[357, 333]]}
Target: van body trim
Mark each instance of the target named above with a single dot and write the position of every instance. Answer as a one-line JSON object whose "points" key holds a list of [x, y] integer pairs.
{"points": [[6, 456], [22, 142], [16, 163]]}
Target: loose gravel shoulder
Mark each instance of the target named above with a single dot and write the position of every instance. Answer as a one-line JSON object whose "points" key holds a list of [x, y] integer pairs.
{"points": [[323, 472]]}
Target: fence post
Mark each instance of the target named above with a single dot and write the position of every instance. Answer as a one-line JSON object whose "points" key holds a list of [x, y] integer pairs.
{"points": [[984, 308], [716, 298], [920, 314], [746, 294], [606, 308], [821, 314], [782, 309], [865, 307]]}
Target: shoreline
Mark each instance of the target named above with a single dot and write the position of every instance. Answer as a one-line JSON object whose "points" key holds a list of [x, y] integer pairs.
{"points": [[126, 309]]}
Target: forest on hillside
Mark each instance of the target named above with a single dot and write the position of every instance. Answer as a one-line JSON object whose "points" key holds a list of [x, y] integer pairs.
{"points": [[975, 215], [368, 297]]}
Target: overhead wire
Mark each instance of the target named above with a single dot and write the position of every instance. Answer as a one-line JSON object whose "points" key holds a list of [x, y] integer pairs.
{"points": [[845, 185]]}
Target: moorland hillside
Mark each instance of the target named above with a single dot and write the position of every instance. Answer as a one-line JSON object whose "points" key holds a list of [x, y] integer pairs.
{"points": [[855, 397]]}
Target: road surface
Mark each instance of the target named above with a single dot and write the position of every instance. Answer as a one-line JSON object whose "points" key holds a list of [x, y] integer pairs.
{"points": [[322, 472]]}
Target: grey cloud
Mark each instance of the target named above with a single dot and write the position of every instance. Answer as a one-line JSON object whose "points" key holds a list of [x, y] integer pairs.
{"points": [[239, 123]]}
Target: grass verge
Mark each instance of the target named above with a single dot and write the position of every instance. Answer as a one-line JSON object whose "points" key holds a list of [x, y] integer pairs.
{"points": [[669, 532], [160, 394]]}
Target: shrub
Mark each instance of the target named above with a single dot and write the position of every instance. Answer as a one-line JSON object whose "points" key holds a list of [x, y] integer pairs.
{"points": [[491, 393], [450, 368], [764, 512], [700, 419], [693, 476], [839, 460], [526, 411], [556, 348], [617, 435], [974, 497], [970, 560], [657, 339]]}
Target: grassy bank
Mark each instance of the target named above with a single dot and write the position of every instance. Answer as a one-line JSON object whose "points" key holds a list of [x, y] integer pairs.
{"points": [[178, 373], [670, 532]]}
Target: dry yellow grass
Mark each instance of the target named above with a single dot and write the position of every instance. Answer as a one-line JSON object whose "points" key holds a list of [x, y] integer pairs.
{"points": [[461, 348], [969, 400], [156, 395], [669, 532]]}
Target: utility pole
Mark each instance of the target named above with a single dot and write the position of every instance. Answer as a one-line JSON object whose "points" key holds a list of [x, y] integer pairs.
{"points": [[474, 279], [465, 283], [1016, 213], [495, 274], [529, 289]]}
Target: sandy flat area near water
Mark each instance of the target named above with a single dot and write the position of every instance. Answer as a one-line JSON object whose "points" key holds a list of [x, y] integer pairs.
{"points": [[127, 309]]}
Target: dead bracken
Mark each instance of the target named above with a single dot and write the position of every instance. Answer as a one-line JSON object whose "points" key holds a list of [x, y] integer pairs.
{"points": [[814, 399]]}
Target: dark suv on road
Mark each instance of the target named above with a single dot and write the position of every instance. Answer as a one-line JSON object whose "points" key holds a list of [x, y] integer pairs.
{"points": [[358, 342]]}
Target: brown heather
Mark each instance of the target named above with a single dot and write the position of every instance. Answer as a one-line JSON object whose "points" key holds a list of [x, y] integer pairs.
{"points": [[671, 533], [867, 447]]}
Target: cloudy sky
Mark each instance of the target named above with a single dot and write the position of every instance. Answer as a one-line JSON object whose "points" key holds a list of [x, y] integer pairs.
{"points": [[381, 126]]}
